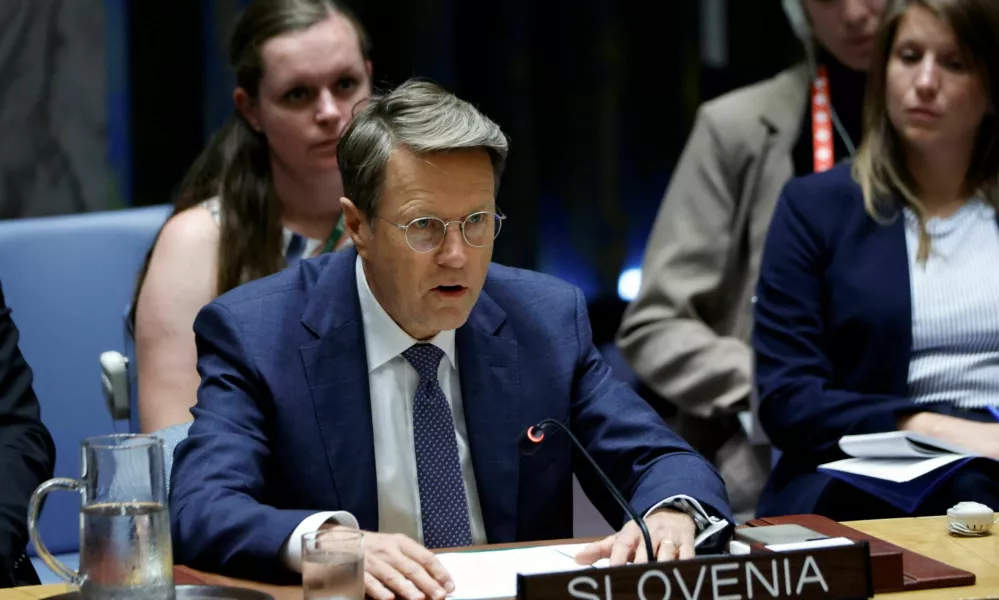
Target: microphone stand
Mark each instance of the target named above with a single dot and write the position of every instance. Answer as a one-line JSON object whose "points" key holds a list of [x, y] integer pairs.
{"points": [[537, 439]]}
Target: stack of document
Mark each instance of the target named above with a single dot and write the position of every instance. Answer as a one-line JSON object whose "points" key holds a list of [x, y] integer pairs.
{"points": [[899, 466], [493, 573]]}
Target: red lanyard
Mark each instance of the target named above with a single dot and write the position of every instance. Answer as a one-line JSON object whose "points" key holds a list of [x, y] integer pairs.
{"points": [[822, 127]]}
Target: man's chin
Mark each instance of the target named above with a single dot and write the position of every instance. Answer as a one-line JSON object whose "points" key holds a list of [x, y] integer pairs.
{"points": [[451, 318]]}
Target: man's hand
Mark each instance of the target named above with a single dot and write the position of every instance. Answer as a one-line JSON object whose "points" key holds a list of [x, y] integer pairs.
{"points": [[396, 566], [672, 536]]}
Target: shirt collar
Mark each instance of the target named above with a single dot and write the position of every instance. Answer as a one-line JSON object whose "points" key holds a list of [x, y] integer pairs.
{"points": [[383, 338]]}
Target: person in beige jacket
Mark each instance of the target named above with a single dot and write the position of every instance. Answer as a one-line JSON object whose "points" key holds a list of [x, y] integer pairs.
{"points": [[686, 334]]}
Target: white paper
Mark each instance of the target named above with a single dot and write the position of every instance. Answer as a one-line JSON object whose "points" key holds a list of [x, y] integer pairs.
{"points": [[898, 470], [493, 573], [897, 444], [571, 550], [811, 544]]}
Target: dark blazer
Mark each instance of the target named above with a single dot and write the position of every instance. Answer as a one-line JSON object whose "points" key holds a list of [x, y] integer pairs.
{"points": [[833, 333], [27, 454], [283, 426]]}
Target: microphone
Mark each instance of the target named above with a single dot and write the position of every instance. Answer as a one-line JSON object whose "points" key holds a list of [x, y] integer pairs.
{"points": [[531, 440]]}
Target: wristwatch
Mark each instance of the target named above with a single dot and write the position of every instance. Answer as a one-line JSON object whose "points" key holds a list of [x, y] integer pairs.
{"points": [[701, 519]]}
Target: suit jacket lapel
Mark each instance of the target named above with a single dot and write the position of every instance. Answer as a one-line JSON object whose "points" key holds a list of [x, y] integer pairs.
{"points": [[785, 106], [337, 373], [487, 365], [780, 115], [897, 288]]}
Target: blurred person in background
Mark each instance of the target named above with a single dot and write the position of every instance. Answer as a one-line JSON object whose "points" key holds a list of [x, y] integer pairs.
{"points": [[53, 58], [263, 194], [27, 455], [878, 289], [687, 332]]}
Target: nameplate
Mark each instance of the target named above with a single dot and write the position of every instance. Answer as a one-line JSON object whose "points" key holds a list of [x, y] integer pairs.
{"points": [[838, 573]]}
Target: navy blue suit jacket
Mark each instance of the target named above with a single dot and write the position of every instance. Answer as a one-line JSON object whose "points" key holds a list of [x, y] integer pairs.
{"points": [[283, 425], [833, 332]]}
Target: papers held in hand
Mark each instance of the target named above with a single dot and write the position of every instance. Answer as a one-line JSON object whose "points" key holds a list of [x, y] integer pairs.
{"points": [[897, 456], [899, 466], [897, 444]]}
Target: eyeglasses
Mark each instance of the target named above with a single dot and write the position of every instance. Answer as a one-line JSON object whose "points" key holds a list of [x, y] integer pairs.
{"points": [[427, 233]]}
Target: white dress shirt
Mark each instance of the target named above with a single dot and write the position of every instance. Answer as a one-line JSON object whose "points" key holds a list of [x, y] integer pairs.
{"points": [[955, 324], [393, 382]]}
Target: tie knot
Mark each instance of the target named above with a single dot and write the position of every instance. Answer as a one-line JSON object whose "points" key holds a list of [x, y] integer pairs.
{"points": [[425, 358]]}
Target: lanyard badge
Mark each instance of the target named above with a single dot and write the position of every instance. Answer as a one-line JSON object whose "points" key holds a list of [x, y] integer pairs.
{"points": [[822, 127], [334, 239]]}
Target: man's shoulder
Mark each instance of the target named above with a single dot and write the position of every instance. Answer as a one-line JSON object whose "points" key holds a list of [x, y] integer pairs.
{"points": [[513, 287], [291, 286], [526, 281]]}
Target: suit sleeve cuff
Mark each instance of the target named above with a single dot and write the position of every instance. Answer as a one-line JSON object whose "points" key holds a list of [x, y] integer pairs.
{"points": [[708, 525], [291, 551]]}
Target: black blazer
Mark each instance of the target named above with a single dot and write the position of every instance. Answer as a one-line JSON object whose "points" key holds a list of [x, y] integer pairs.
{"points": [[27, 454]]}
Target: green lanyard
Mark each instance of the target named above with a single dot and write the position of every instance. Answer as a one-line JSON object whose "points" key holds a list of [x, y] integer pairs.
{"points": [[331, 242]]}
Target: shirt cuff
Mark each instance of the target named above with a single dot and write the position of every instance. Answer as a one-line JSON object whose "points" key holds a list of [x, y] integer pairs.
{"points": [[707, 525], [291, 551]]}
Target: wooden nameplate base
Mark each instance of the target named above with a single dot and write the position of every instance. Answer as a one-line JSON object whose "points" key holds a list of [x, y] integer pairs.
{"points": [[840, 573], [894, 568]]}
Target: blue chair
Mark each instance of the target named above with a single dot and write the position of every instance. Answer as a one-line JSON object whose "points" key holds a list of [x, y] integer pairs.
{"points": [[68, 280]]}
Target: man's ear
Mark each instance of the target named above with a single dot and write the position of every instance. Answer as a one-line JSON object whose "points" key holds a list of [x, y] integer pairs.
{"points": [[247, 107], [358, 227]]}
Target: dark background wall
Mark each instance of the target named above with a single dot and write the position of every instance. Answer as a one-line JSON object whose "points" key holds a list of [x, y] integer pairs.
{"points": [[597, 97]]}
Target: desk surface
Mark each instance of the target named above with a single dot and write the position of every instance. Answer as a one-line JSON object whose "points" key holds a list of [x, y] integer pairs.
{"points": [[924, 535], [929, 536]]}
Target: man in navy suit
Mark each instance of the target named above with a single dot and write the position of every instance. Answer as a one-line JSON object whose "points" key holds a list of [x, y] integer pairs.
{"points": [[386, 388]]}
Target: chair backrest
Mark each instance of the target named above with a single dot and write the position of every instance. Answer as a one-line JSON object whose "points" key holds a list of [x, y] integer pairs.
{"points": [[67, 280]]}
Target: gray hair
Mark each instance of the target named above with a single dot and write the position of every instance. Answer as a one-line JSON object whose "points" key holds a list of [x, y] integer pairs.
{"points": [[420, 116]]}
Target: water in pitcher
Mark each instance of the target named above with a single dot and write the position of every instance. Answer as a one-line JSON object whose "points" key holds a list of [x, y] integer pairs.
{"points": [[126, 551], [333, 576]]}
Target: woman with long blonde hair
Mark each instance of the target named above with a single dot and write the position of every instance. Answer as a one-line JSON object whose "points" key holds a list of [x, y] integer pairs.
{"points": [[878, 299]]}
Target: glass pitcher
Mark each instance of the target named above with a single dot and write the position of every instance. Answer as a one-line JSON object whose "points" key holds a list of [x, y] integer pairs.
{"points": [[125, 550]]}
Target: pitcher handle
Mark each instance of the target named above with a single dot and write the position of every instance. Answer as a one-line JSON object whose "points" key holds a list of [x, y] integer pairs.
{"points": [[59, 483]]}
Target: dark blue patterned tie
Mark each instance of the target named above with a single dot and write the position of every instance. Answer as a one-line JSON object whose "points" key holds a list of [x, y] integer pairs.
{"points": [[443, 507]]}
